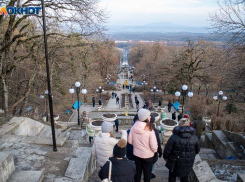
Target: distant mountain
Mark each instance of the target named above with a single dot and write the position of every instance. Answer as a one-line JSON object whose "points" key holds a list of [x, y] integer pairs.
{"points": [[157, 27]]}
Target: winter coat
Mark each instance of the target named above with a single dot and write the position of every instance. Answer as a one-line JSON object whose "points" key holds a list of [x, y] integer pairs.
{"points": [[100, 103], [137, 102], [130, 149], [173, 116], [199, 125], [143, 141], [103, 146], [170, 105], [179, 116], [116, 122], [122, 170], [89, 130], [159, 149], [177, 143], [149, 104]]}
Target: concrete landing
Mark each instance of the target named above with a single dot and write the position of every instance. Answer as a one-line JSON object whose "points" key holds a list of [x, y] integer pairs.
{"points": [[6, 165], [27, 176], [32, 140]]}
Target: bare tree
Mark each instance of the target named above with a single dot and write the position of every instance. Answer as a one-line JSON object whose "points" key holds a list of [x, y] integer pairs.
{"points": [[80, 16], [229, 22]]}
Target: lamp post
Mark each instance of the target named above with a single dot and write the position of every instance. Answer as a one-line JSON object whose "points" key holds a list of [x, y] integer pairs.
{"points": [[143, 75], [100, 90], [154, 89], [184, 93], [144, 83], [71, 91], [219, 98], [45, 104], [48, 77], [84, 92]]}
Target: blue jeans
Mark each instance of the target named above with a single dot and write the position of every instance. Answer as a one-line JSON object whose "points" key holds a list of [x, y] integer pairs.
{"points": [[90, 139]]}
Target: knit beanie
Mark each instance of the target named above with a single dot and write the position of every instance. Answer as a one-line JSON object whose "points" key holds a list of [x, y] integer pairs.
{"points": [[143, 114], [106, 127], [119, 149], [152, 118]]}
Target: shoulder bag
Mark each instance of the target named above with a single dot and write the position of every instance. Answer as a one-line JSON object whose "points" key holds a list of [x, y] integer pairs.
{"points": [[109, 175], [170, 164]]}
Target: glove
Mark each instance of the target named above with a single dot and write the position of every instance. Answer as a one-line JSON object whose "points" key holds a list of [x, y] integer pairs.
{"points": [[160, 155]]}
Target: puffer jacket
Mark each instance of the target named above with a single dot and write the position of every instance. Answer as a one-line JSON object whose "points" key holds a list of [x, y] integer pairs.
{"points": [[143, 141], [103, 146], [122, 170], [179, 142]]}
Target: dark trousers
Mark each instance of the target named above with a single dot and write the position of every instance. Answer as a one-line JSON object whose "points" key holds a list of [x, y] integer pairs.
{"points": [[144, 165], [90, 139], [172, 178], [116, 128], [93, 104], [169, 109]]}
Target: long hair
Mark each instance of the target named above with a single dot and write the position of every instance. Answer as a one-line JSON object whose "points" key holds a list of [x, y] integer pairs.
{"points": [[149, 125], [112, 135]]}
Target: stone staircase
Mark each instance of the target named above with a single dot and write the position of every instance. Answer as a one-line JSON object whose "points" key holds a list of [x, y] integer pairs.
{"points": [[226, 143], [9, 174]]}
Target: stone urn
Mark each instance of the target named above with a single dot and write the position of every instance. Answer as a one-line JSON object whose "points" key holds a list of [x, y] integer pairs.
{"points": [[56, 118], [207, 120], [109, 117], [96, 125], [168, 125], [156, 107], [163, 108], [157, 116]]}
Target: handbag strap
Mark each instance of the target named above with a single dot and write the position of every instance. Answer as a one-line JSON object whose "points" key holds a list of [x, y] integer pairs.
{"points": [[183, 147], [110, 166]]}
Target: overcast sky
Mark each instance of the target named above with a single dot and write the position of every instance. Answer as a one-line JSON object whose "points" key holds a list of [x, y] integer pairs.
{"points": [[141, 12]]}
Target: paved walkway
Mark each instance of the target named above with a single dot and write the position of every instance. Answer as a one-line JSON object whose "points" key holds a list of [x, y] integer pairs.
{"points": [[161, 171]]}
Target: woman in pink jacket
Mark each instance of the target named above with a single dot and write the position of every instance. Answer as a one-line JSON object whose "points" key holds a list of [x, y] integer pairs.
{"points": [[143, 139]]}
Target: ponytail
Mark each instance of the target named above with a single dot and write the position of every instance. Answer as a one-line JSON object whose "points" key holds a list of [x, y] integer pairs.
{"points": [[149, 125]]}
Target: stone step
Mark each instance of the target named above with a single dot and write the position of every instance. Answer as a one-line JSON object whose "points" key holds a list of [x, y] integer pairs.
{"points": [[221, 137], [220, 142], [46, 132], [6, 165], [79, 168], [27, 176]]}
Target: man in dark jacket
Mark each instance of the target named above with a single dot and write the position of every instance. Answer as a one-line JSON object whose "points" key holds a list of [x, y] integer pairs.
{"points": [[137, 104], [93, 100], [116, 124], [199, 125], [100, 103], [179, 116], [169, 106], [159, 150], [183, 146], [117, 100], [123, 170], [174, 116], [160, 103]]}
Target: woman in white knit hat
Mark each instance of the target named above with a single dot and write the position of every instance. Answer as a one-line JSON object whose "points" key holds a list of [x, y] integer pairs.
{"points": [[143, 139], [105, 142]]}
